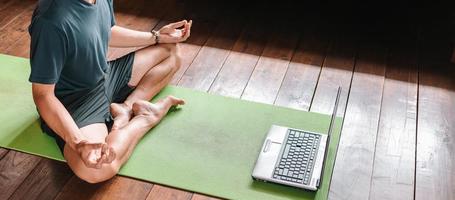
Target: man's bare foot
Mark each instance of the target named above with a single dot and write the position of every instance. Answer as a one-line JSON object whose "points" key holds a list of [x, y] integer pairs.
{"points": [[154, 112], [95, 154], [121, 114]]}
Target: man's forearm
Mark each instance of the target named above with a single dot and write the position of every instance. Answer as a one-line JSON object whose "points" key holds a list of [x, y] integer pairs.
{"points": [[123, 37], [58, 119]]}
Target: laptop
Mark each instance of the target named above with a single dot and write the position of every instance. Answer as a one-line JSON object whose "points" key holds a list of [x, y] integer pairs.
{"points": [[294, 157]]}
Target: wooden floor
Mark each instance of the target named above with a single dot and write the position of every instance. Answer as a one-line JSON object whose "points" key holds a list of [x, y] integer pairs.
{"points": [[398, 138]]}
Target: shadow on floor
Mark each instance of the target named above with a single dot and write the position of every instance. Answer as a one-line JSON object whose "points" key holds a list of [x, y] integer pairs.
{"points": [[418, 33]]}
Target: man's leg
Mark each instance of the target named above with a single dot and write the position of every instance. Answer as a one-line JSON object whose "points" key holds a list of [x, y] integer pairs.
{"points": [[153, 68], [122, 141]]}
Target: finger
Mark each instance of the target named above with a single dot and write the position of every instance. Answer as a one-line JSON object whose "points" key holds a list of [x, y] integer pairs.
{"points": [[80, 145], [92, 145], [90, 161], [184, 38], [90, 153], [107, 154], [99, 164], [111, 156], [100, 159], [98, 155], [187, 35], [90, 164], [189, 31], [183, 35], [104, 148], [165, 29], [114, 126], [103, 158], [185, 29], [177, 24], [190, 23]]}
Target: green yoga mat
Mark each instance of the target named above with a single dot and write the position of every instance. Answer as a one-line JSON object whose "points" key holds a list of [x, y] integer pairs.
{"points": [[208, 146]]}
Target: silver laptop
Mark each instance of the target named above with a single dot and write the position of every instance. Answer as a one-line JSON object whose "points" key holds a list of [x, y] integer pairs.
{"points": [[294, 157]]}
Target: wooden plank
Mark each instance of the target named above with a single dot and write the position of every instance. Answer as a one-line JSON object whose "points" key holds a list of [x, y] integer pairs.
{"points": [[5, 4], [11, 11], [14, 168], [21, 45], [300, 81], [115, 188], [202, 197], [150, 15], [166, 193], [394, 162], [269, 72], [21, 48], [435, 166], [200, 33], [239, 65], [205, 67], [3, 152], [78, 189], [336, 71], [15, 30], [45, 181], [354, 162], [125, 10]]}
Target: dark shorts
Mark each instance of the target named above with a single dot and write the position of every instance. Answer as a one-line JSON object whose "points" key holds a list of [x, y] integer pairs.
{"points": [[92, 106]]}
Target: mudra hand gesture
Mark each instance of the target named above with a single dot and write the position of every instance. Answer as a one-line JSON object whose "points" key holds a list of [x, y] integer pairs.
{"points": [[174, 32]]}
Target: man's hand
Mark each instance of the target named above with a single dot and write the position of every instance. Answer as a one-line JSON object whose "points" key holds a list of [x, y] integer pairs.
{"points": [[175, 32], [95, 154]]}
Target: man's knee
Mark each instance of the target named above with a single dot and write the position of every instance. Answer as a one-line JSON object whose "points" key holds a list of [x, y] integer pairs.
{"points": [[174, 55], [171, 48], [98, 175], [171, 53], [177, 61]]}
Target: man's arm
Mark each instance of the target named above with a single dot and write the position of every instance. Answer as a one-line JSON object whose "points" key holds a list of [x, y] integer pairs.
{"points": [[55, 114], [171, 33], [123, 37]]}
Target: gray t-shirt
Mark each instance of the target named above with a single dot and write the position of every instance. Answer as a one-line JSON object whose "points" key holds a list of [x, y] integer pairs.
{"points": [[69, 40]]}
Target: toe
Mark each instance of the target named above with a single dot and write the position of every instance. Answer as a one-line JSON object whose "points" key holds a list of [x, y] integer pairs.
{"points": [[181, 102], [116, 125], [120, 121], [176, 101]]}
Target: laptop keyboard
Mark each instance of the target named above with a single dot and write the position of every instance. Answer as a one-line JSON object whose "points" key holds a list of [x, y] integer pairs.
{"points": [[299, 155]]}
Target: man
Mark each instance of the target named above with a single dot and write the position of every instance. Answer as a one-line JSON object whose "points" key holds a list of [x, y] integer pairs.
{"points": [[98, 110]]}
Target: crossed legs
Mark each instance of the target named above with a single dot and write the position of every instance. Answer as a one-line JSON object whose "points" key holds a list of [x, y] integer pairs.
{"points": [[153, 69]]}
